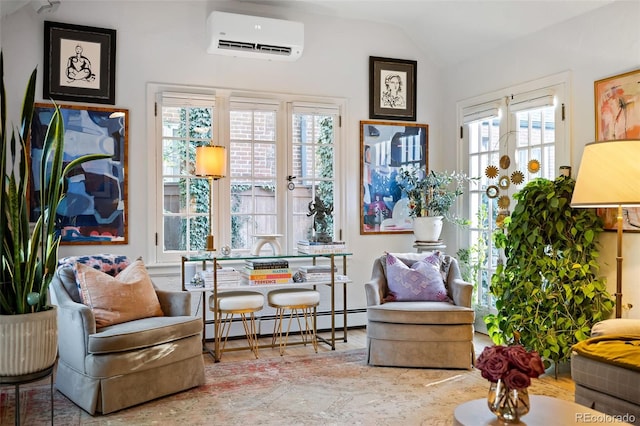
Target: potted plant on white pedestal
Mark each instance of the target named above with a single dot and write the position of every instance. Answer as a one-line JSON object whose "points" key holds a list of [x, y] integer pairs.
{"points": [[431, 196], [29, 256]]}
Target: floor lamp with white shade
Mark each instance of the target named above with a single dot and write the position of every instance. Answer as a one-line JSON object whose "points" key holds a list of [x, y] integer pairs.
{"points": [[211, 161], [609, 176]]}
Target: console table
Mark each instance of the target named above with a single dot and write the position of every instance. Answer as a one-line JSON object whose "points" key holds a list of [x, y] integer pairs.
{"points": [[331, 258]]}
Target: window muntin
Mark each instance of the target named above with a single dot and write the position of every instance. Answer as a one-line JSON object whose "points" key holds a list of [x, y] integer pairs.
{"points": [[528, 126], [185, 197], [253, 174], [313, 170], [271, 152]]}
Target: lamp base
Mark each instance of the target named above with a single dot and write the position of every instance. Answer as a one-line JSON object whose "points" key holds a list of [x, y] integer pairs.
{"points": [[210, 245]]}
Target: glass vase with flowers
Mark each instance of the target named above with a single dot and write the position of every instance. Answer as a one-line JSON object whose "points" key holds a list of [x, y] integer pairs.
{"points": [[510, 370]]}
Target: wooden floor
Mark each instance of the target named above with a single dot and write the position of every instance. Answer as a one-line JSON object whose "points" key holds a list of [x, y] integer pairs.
{"points": [[356, 339]]}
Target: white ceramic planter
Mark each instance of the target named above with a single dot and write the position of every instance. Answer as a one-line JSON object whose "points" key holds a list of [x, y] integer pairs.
{"points": [[28, 342], [427, 229]]}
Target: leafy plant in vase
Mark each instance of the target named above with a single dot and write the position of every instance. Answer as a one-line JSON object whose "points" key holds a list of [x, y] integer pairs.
{"points": [[430, 197], [29, 256]]}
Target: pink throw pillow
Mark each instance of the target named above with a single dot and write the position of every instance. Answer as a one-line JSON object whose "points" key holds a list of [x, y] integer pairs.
{"points": [[126, 297], [420, 282]]}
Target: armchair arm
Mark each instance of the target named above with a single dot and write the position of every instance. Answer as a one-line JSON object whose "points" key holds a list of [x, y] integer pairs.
{"points": [[461, 292], [174, 303], [616, 326], [373, 291], [75, 323]]}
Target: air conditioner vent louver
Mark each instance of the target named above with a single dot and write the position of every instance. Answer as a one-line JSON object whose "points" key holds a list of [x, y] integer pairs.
{"points": [[276, 50], [235, 45], [249, 47], [254, 36]]}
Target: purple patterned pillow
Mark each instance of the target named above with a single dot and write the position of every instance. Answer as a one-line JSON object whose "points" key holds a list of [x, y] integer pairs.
{"points": [[420, 282]]}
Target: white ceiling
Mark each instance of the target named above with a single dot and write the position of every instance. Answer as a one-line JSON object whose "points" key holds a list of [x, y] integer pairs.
{"points": [[449, 31], [452, 30]]}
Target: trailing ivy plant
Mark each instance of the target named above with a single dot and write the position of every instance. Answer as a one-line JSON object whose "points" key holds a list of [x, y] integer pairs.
{"points": [[548, 292]]}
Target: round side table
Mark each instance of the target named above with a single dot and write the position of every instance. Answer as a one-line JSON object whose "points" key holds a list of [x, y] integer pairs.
{"points": [[22, 379]]}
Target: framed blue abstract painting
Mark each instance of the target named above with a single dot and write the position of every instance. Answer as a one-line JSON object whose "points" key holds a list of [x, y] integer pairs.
{"points": [[94, 210]]}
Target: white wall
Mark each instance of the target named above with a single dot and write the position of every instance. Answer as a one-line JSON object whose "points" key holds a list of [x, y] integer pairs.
{"points": [[596, 45], [164, 42]]}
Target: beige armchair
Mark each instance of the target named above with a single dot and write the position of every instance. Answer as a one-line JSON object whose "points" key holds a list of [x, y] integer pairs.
{"points": [[435, 334], [117, 366]]}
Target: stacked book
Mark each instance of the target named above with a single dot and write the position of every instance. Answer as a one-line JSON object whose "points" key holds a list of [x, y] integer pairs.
{"points": [[316, 272], [226, 277], [267, 271], [316, 247]]}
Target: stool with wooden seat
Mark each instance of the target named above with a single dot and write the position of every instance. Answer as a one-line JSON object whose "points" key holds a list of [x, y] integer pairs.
{"points": [[300, 302], [241, 303]]}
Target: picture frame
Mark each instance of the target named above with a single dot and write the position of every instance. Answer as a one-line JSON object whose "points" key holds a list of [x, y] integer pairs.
{"points": [[94, 210], [617, 116], [385, 147], [392, 89], [79, 63]]}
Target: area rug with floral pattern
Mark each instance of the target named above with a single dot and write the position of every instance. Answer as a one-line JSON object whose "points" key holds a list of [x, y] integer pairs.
{"points": [[332, 388]]}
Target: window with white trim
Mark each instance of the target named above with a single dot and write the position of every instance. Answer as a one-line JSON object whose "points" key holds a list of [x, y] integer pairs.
{"points": [[282, 159], [509, 137], [186, 122]]}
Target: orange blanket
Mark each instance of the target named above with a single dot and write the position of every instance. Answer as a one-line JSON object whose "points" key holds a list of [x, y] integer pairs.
{"points": [[621, 350]]}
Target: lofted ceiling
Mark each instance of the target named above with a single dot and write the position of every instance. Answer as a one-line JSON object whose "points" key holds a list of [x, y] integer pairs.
{"points": [[451, 31]]}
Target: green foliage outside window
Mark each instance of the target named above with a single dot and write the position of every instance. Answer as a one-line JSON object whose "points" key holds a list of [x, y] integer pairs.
{"points": [[324, 189], [198, 193]]}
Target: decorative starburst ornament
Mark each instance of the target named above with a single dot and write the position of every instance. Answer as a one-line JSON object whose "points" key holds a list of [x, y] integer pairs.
{"points": [[517, 177], [533, 166], [491, 172], [503, 202]]}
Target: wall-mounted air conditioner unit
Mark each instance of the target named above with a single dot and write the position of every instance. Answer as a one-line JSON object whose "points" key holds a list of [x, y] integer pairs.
{"points": [[254, 37]]}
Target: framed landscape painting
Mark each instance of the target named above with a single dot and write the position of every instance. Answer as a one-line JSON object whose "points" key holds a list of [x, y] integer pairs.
{"points": [[386, 147], [94, 210], [617, 115]]}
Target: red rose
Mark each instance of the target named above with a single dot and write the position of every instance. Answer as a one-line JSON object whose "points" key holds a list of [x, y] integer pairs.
{"points": [[519, 358], [536, 365], [493, 363], [516, 379]]}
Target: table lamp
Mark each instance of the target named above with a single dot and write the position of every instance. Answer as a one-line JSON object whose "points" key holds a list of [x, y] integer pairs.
{"points": [[211, 161], [609, 176]]}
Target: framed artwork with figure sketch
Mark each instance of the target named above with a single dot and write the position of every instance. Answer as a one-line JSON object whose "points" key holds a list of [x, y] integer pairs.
{"points": [[79, 63], [392, 89], [617, 105]]}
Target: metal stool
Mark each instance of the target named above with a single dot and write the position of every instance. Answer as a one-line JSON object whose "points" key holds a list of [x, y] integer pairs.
{"points": [[298, 301], [241, 303]]}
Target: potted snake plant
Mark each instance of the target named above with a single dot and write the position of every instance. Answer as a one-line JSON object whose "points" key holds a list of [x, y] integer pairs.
{"points": [[29, 254]]}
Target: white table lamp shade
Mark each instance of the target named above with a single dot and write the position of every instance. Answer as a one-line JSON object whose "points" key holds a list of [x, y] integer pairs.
{"points": [[609, 175]]}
